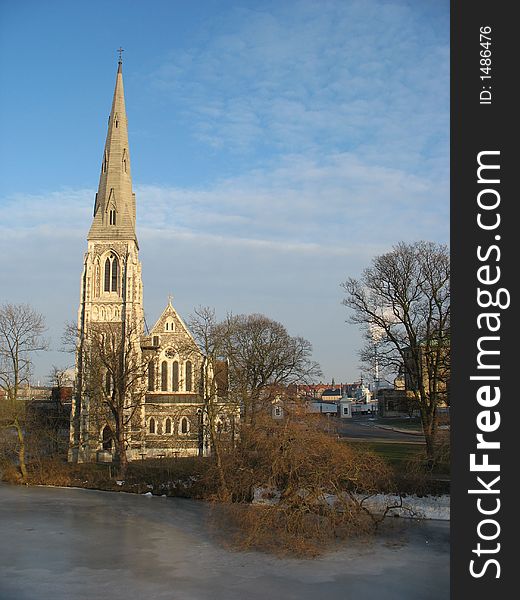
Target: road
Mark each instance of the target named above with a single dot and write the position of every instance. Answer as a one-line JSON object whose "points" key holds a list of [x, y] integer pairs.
{"points": [[365, 428]]}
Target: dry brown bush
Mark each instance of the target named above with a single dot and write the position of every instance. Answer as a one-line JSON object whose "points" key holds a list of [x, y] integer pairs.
{"points": [[172, 477], [283, 531], [312, 487], [50, 471], [9, 472]]}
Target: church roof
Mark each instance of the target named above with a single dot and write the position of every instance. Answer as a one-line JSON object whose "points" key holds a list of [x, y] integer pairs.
{"points": [[114, 207], [170, 313]]}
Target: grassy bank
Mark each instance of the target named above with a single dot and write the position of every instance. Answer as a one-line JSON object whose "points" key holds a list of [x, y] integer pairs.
{"points": [[395, 453], [190, 477], [181, 477], [408, 462]]}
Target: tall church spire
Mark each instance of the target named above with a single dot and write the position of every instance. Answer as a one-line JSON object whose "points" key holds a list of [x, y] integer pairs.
{"points": [[114, 207]]}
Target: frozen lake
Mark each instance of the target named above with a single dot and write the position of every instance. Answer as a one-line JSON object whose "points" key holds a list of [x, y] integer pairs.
{"points": [[64, 544]]}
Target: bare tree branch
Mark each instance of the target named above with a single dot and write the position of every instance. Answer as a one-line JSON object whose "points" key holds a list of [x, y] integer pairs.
{"points": [[403, 304]]}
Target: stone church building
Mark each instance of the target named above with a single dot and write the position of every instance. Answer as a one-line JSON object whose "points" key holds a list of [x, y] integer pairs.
{"points": [[168, 418]]}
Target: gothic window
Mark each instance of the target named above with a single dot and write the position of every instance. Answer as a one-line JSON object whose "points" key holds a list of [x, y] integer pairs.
{"points": [[108, 383], [188, 375], [151, 425], [115, 273], [155, 340], [107, 438], [97, 284], [112, 216], [164, 376], [175, 376], [184, 425], [151, 373], [107, 275], [168, 425], [111, 273], [124, 160]]}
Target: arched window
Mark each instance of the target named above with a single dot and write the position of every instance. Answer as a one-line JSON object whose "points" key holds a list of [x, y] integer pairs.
{"points": [[107, 438], [168, 425], [115, 273], [184, 425], [175, 376], [188, 375], [107, 275], [112, 217], [151, 376], [111, 273], [108, 383], [164, 376], [151, 425]]}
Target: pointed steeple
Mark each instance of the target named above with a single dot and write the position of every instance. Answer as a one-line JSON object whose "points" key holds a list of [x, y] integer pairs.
{"points": [[114, 207]]}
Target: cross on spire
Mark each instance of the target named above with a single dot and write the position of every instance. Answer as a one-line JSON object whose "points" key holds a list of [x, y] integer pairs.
{"points": [[120, 50]]}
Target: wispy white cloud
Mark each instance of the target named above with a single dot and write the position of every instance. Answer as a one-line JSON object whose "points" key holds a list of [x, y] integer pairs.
{"points": [[338, 76], [331, 119], [331, 205], [60, 211], [338, 200]]}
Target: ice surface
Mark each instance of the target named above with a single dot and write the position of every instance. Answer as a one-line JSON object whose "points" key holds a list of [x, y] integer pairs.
{"points": [[62, 544]]}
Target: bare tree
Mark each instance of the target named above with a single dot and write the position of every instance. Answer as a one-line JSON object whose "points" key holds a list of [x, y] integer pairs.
{"points": [[21, 335], [247, 360], [403, 303], [57, 417], [262, 355], [114, 372], [60, 377], [219, 412]]}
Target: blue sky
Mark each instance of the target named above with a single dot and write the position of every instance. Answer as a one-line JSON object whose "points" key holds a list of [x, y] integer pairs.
{"points": [[276, 148]]}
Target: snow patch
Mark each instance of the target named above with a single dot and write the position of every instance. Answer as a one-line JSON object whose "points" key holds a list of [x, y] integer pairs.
{"points": [[424, 507]]}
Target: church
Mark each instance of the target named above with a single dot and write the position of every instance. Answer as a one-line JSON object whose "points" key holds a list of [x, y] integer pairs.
{"points": [[165, 374]]}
